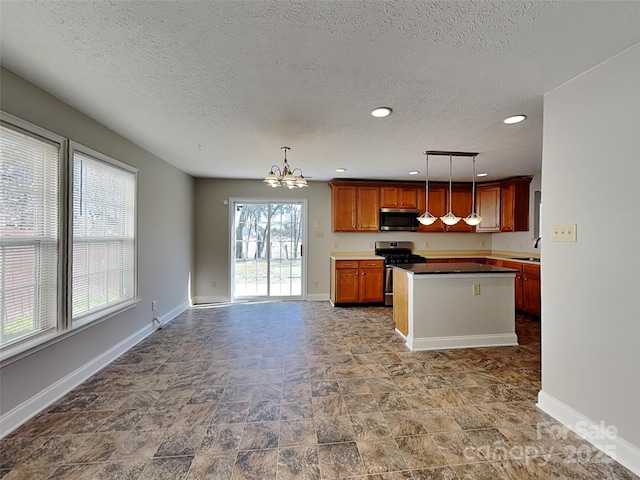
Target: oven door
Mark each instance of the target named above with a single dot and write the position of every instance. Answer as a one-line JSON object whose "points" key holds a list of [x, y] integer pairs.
{"points": [[388, 286]]}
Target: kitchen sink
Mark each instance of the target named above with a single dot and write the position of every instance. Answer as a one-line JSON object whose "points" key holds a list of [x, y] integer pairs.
{"points": [[528, 259]]}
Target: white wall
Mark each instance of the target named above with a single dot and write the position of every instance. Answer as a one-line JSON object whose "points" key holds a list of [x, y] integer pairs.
{"points": [[165, 225], [591, 289]]}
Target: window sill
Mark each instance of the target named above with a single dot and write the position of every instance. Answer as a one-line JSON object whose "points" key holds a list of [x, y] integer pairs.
{"points": [[29, 347]]}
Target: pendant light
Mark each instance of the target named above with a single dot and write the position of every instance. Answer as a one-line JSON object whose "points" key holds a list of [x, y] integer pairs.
{"points": [[473, 218], [426, 218], [450, 219]]}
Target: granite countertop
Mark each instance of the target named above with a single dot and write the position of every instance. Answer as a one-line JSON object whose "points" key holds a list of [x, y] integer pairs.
{"points": [[355, 256], [452, 268]]}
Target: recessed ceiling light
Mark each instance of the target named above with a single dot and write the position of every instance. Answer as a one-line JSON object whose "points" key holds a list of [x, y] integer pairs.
{"points": [[482, 175], [341, 170], [381, 112], [515, 119], [415, 172]]}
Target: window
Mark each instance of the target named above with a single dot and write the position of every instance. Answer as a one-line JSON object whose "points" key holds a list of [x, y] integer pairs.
{"points": [[104, 224], [67, 236], [29, 232]]}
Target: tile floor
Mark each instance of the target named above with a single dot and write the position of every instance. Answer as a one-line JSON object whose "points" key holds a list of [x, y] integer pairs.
{"points": [[302, 390]]}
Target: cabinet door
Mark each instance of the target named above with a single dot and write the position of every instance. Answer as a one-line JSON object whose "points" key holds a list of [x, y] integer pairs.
{"points": [[488, 207], [437, 202], [531, 289], [368, 209], [343, 200], [347, 282], [461, 206], [388, 197], [515, 205], [408, 197], [518, 282], [371, 285]]}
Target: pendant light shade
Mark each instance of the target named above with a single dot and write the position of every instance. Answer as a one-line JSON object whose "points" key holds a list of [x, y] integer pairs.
{"points": [[450, 219], [473, 219], [426, 218]]}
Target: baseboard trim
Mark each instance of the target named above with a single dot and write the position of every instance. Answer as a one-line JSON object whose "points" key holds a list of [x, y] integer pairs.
{"points": [[317, 297], [211, 299], [39, 402], [463, 341], [621, 450]]}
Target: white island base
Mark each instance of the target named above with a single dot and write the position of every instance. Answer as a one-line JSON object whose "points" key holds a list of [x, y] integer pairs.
{"points": [[455, 309]]}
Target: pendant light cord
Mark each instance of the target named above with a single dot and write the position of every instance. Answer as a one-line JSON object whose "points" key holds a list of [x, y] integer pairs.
{"points": [[426, 188], [473, 190], [450, 175]]}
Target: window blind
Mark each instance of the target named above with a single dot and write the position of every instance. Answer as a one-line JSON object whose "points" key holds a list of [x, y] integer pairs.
{"points": [[104, 221], [29, 234]]}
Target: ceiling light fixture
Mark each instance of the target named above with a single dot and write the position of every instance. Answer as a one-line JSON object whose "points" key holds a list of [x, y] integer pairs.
{"points": [[482, 175], [285, 177], [381, 112], [514, 119], [450, 219], [426, 218], [341, 170], [473, 218], [414, 172]]}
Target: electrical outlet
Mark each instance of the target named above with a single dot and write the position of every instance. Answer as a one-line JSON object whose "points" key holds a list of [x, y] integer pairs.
{"points": [[315, 284], [319, 233], [565, 232], [483, 244], [214, 284], [153, 305], [425, 244], [476, 289], [335, 244], [370, 245]]}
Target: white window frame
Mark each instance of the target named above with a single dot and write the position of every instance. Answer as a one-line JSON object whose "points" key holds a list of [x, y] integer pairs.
{"points": [[93, 315], [65, 326]]}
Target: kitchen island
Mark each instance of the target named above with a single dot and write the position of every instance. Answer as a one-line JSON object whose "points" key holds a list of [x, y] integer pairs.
{"points": [[454, 305]]}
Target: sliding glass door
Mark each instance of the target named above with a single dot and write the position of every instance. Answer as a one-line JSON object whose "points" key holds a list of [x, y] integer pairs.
{"points": [[267, 249]]}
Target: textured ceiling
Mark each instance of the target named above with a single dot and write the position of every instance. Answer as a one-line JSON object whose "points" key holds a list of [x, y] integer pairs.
{"points": [[216, 88]]}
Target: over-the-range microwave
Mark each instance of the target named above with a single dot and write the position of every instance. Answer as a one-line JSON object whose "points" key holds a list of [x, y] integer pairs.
{"points": [[399, 219]]}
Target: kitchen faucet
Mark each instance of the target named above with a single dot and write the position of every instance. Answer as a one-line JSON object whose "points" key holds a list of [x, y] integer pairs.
{"points": [[535, 245]]}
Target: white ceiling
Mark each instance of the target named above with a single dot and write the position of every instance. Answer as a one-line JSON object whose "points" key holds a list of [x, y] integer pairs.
{"points": [[217, 87]]}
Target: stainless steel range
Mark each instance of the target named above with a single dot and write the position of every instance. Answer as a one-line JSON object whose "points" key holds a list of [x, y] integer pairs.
{"points": [[395, 253]]}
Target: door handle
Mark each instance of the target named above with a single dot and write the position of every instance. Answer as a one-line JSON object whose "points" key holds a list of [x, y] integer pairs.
{"points": [[301, 250]]}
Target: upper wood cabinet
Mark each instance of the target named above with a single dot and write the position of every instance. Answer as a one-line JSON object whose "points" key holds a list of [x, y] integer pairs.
{"points": [[514, 206], [437, 207], [488, 207], [461, 196], [398, 197], [355, 208]]}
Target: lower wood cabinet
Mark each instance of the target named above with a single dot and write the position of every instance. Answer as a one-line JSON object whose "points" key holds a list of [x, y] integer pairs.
{"points": [[357, 281], [527, 286]]}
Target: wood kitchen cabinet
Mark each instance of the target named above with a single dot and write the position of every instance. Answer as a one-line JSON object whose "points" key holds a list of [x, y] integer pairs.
{"points": [[527, 286], [357, 281], [488, 207], [531, 301], [514, 208], [399, 197], [355, 208], [461, 206], [437, 207]]}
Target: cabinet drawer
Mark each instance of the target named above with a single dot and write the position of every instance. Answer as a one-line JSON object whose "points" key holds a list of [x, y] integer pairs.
{"points": [[371, 263], [347, 264]]}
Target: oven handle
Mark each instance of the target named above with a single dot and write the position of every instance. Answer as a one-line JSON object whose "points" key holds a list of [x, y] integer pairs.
{"points": [[388, 280]]}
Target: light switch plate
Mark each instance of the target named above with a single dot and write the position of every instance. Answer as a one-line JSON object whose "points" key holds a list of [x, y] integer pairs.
{"points": [[564, 232]]}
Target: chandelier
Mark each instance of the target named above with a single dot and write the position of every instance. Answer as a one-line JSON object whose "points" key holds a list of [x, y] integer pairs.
{"points": [[285, 177]]}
